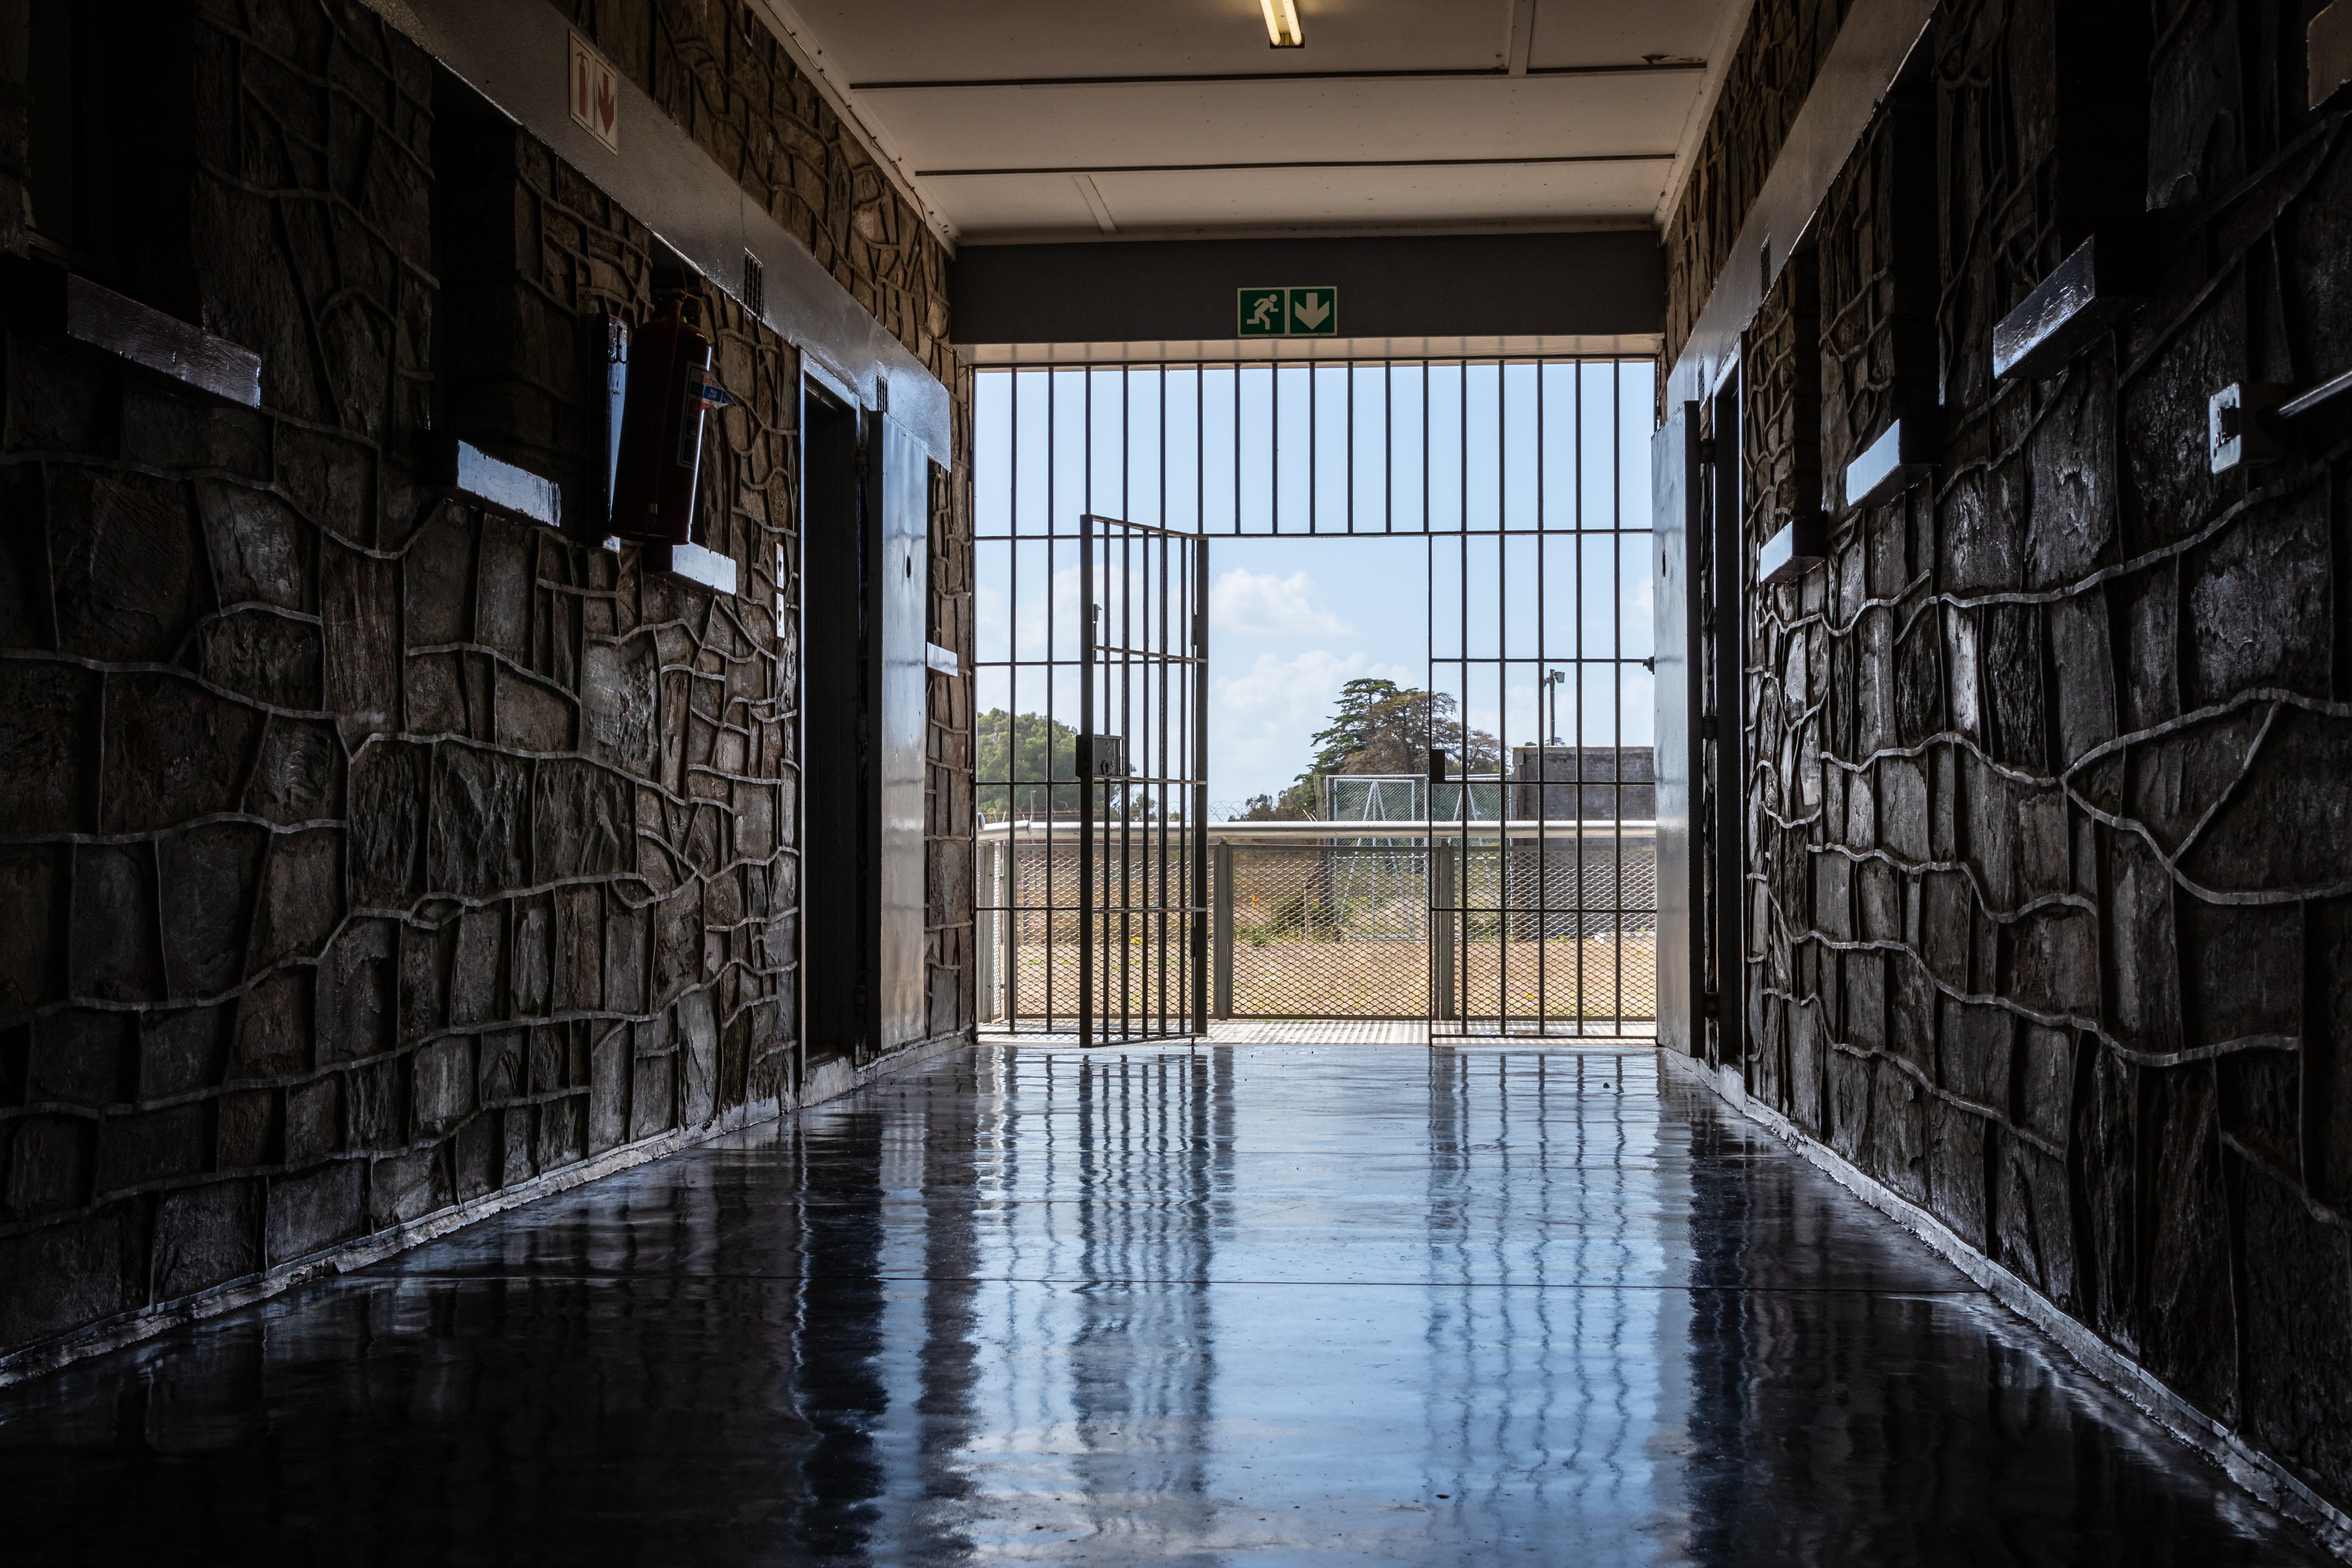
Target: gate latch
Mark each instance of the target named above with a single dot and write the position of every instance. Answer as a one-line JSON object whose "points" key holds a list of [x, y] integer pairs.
{"points": [[1106, 757]]}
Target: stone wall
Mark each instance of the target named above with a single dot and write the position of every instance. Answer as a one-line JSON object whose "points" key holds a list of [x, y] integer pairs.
{"points": [[719, 72], [952, 982], [376, 855], [1779, 53], [2049, 859], [15, 40]]}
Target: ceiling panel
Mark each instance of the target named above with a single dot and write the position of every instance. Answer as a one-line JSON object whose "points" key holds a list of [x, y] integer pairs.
{"points": [[1261, 123], [1014, 203], [1297, 198], [1584, 34], [1414, 112], [929, 40]]}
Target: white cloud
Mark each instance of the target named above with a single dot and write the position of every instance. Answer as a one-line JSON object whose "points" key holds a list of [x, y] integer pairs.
{"points": [[1256, 603], [1261, 722]]}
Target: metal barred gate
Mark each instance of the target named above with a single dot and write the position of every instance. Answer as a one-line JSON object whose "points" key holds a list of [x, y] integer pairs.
{"points": [[1514, 895]]}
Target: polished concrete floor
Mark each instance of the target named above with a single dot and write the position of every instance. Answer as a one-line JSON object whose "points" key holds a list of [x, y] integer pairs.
{"points": [[1353, 1304]]}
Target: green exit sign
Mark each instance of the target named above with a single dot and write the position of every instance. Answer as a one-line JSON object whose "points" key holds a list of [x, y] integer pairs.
{"points": [[1290, 311]]}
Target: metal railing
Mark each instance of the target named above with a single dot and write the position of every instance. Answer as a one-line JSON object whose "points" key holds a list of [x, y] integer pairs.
{"points": [[1521, 926]]}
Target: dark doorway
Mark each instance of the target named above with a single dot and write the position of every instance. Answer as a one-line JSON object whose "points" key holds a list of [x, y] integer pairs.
{"points": [[842, 861]]}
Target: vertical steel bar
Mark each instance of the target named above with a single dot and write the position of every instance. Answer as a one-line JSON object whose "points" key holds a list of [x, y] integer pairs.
{"points": [[1200, 683], [1617, 694], [1013, 706], [1578, 712], [1162, 819], [1545, 736], [1125, 665], [1462, 527], [1506, 868], [1085, 769], [1446, 1001], [1091, 860], [1221, 898], [1053, 591]]}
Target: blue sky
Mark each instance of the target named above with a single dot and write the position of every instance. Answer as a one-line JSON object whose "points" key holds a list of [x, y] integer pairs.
{"points": [[1293, 619]]}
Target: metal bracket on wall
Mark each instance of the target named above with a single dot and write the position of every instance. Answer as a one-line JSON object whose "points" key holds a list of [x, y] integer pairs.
{"points": [[1898, 460], [50, 301], [2084, 296], [2327, 43], [2246, 422], [448, 463], [1796, 549], [688, 563]]}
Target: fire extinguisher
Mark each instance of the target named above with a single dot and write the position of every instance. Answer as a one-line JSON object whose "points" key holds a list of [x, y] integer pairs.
{"points": [[661, 429]]}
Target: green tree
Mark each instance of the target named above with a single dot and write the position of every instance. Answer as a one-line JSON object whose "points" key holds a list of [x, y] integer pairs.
{"points": [[1027, 766], [1379, 727], [1026, 763]]}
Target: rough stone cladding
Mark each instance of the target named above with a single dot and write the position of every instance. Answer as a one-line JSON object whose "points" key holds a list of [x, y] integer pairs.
{"points": [[370, 854], [953, 974], [2050, 848], [15, 166], [719, 72], [1779, 53]]}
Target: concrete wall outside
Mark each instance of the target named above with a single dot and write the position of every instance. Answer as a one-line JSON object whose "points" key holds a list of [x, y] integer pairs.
{"points": [[375, 860], [2048, 929]]}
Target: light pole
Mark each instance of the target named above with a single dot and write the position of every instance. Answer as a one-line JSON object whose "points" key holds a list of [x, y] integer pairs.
{"points": [[1551, 681]]}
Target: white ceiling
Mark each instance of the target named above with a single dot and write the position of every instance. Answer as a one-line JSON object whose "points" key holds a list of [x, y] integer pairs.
{"points": [[1070, 118]]}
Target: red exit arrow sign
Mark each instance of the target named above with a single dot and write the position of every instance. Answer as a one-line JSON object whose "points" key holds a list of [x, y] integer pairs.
{"points": [[595, 90]]}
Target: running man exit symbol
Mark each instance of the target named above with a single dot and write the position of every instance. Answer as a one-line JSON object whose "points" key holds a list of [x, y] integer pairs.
{"points": [[1264, 312], [1287, 313]]}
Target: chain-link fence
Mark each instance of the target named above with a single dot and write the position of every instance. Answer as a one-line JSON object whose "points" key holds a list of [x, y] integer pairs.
{"points": [[1548, 930], [1534, 931], [1030, 917], [1323, 931]]}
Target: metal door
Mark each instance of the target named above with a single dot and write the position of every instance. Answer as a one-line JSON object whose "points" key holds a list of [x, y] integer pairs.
{"points": [[1143, 934], [1093, 869]]}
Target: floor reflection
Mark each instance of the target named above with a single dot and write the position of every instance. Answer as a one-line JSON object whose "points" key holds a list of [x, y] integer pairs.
{"points": [[1349, 1304]]}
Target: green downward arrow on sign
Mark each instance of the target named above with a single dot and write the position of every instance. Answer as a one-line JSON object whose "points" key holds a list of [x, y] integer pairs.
{"points": [[1314, 312], [1287, 313]]}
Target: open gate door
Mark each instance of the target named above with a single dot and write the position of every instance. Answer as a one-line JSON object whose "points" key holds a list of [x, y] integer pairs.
{"points": [[1143, 852]]}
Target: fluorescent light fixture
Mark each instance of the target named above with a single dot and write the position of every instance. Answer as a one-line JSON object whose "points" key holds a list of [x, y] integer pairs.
{"points": [[1282, 27]]}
